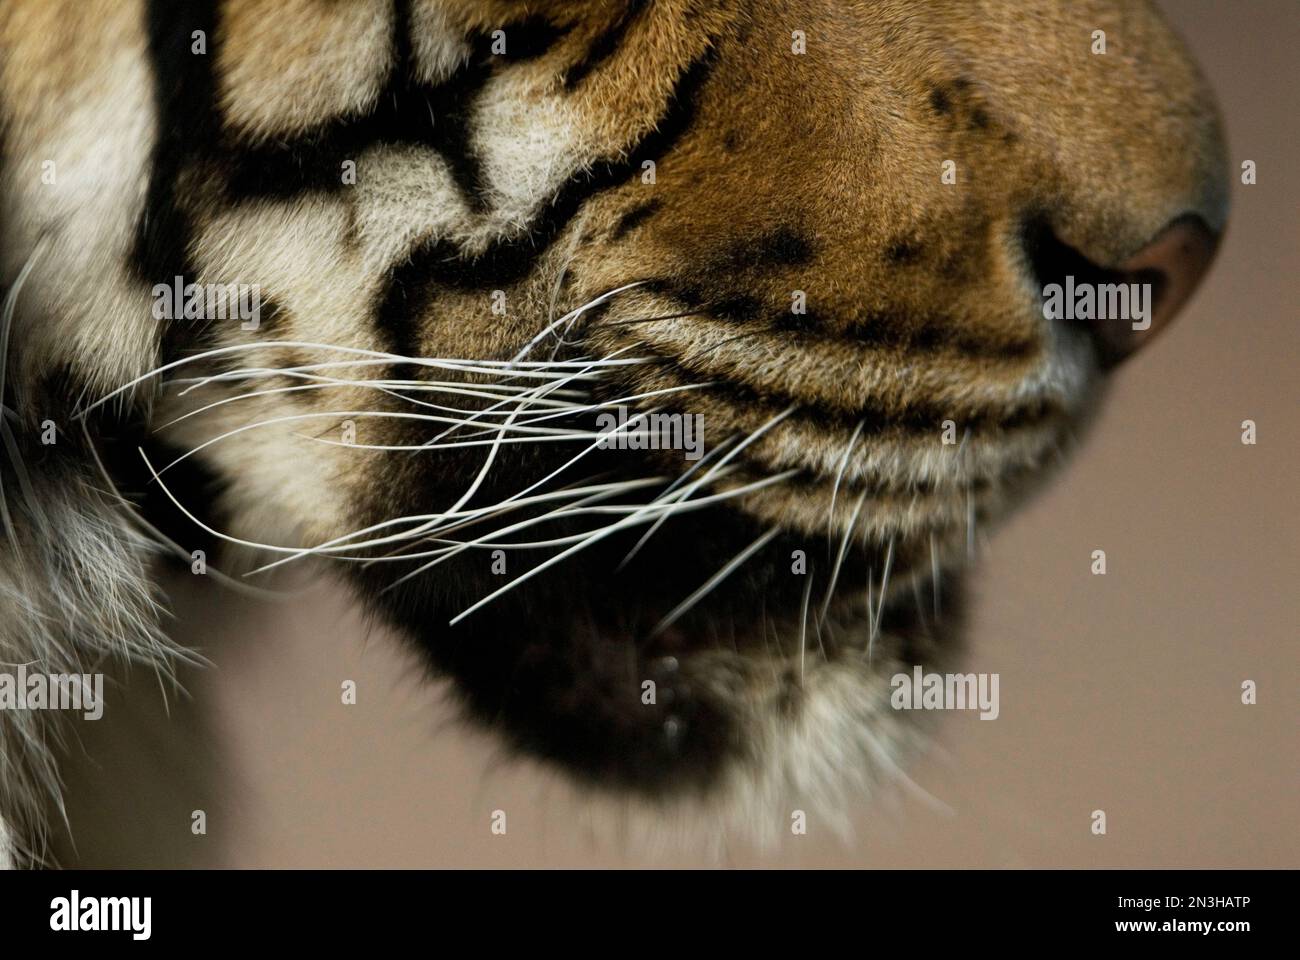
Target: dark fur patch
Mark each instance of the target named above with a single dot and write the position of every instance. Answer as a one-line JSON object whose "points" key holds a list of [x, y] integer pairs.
{"points": [[605, 45], [784, 247], [797, 323], [531, 38], [781, 247], [903, 251], [634, 218], [558, 672], [934, 334], [440, 263], [184, 96], [406, 111], [738, 307], [271, 319], [189, 481]]}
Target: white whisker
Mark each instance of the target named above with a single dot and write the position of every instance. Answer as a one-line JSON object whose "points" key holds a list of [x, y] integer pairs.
{"points": [[421, 530], [435, 519], [673, 486], [737, 561], [839, 558], [485, 542], [522, 402], [376, 356], [880, 606], [803, 626], [839, 474], [595, 537], [572, 316]]}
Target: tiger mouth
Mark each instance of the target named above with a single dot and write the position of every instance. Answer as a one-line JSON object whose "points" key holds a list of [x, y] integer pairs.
{"points": [[826, 537], [930, 470], [560, 666]]}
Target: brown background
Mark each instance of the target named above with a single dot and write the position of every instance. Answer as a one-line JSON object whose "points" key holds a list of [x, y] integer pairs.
{"points": [[1119, 692]]}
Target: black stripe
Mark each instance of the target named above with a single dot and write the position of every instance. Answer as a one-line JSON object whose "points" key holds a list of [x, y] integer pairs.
{"points": [[881, 331], [920, 416], [933, 334], [634, 218], [439, 263], [531, 38], [604, 46], [783, 246], [406, 111], [184, 96]]}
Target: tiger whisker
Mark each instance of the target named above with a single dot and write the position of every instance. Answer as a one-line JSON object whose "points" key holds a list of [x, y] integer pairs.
{"points": [[573, 410], [250, 373], [558, 437], [485, 541], [843, 552], [597, 536], [681, 479], [345, 415], [839, 475], [169, 544], [573, 315], [157, 478], [379, 356], [752, 438], [417, 532], [383, 386], [803, 626], [518, 407], [490, 459], [537, 483], [711, 584], [880, 605]]}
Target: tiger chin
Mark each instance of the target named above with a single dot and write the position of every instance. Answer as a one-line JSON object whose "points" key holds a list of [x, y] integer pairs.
{"points": [[466, 231]]}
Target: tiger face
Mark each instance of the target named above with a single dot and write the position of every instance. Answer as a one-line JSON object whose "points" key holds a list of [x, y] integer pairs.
{"points": [[811, 240]]}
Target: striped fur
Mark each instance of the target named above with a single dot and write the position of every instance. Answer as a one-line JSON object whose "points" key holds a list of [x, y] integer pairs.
{"points": [[521, 176]]}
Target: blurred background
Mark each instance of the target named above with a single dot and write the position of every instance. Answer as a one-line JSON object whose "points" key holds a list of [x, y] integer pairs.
{"points": [[1120, 693]]}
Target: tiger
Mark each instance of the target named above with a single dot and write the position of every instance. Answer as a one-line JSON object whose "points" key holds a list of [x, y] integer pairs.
{"points": [[344, 289]]}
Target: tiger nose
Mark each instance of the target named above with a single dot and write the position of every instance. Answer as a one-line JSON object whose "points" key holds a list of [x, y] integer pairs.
{"points": [[1173, 265], [1124, 305]]}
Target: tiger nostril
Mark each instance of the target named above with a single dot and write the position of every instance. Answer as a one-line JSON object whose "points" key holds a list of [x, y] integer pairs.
{"points": [[1124, 306], [1180, 255]]}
